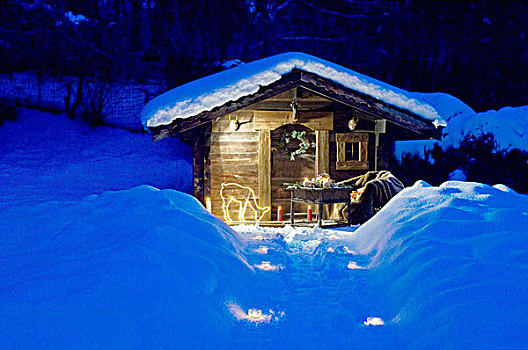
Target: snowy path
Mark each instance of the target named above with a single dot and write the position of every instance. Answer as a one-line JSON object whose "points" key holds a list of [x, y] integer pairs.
{"points": [[314, 287]]}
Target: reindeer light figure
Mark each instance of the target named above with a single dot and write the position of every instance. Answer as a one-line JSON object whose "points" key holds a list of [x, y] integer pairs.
{"points": [[245, 197]]}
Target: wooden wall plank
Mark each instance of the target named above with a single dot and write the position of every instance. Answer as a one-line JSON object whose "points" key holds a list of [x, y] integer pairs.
{"points": [[322, 153], [270, 120], [233, 157], [264, 171]]}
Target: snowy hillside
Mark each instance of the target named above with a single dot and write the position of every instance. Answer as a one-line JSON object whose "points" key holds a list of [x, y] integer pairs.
{"points": [[46, 157]]}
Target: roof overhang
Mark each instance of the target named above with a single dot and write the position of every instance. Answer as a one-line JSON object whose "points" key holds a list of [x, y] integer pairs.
{"points": [[377, 109]]}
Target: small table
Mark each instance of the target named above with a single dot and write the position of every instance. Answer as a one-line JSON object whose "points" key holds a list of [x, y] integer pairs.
{"points": [[319, 197]]}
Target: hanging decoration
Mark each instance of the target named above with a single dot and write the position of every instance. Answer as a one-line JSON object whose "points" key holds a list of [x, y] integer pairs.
{"points": [[234, 124], [289, 139], [352, 123], [245, 197], [294, 118]]}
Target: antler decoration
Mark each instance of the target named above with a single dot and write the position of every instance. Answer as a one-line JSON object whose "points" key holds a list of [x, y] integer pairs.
{"points": [[295, 106], [234, 124]]}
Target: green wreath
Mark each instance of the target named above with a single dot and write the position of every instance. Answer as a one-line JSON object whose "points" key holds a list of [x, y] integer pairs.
{"points": [[287, 138]]}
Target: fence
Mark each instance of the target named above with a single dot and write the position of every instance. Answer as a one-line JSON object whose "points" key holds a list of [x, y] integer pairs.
{"points": [[122, 106]]}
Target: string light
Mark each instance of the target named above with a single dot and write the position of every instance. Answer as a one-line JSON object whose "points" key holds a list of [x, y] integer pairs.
{"points": [[229, 194]]}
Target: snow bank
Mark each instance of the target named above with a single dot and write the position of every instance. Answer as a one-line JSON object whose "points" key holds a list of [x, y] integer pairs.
{"points": [[138, 268], [452, 260], [215, 90], [509, 125], [46, 157], [147, 268]]}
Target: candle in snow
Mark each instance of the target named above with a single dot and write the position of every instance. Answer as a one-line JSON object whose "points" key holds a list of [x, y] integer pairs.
{"points": [[309, 213], [279, 213], [208, 204]]}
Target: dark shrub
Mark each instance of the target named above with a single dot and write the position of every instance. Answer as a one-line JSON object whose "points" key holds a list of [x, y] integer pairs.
{"points": [[479, 158], [8, 111]]}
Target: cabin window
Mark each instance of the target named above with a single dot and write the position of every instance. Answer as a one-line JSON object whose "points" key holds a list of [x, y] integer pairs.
{"points": [[352, 151]]}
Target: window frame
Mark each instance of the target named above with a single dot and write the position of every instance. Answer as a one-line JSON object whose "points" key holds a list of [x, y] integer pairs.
{"points": [[356, 137]]}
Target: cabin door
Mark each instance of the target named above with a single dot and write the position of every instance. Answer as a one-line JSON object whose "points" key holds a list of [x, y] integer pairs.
{"points": [[292, 159]]}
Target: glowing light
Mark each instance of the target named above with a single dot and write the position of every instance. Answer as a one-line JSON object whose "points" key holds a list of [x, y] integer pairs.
{"points": [[330, 250], [348, 251], [266, 266], [208, 204], [352, 265], [253, 315], [256, 315], [307, 182], [352, 123], [373, 321], [259, 238], [261, 250], [245, 197]]}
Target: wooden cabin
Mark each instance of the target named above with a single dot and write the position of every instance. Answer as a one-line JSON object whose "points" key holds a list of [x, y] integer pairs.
{"points": [[296, 127]]}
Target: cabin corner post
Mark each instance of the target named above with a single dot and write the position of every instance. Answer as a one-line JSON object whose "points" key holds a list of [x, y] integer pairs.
{"points": [[199, 165], [264, 171], [322, 152]]}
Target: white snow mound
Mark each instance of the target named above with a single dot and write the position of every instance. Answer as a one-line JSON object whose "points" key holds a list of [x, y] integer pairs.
{"points": [[452, 260], [141, 268]]}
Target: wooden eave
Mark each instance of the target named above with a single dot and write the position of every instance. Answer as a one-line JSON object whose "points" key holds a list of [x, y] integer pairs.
{"points": [[364, 103], [287, 82], [370, 105]]}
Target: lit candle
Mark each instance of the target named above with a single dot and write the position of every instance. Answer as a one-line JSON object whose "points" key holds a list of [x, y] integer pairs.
{"points": [[279, 213], [208, 204], [309, 213]]}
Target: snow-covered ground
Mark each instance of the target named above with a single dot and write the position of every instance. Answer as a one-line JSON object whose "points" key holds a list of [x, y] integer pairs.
{"points": [[47, 157], [438, 267]]}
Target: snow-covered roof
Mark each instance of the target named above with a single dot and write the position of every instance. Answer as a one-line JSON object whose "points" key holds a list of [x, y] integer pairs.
{"points": [[216, 90]]}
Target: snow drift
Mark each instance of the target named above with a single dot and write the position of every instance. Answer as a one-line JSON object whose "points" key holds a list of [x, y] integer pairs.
{"points": [[137, 268], [438, 267], [453, 262]]}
